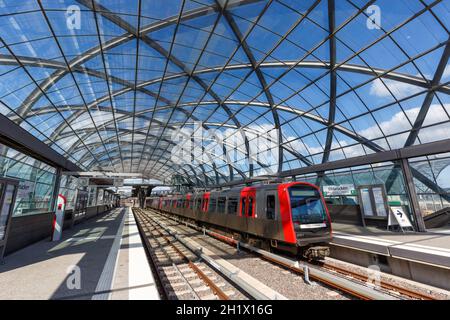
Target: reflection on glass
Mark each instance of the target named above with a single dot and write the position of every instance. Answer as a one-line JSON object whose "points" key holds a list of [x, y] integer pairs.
{"points": [[4, 213], [367, 204], [379, 202]]}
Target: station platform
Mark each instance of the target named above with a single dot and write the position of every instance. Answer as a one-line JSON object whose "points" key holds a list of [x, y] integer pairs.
{"points": [[430, 247], [423, 257], [99, 259]]}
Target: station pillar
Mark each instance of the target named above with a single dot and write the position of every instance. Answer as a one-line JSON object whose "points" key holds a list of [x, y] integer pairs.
{"points": [[411, 190]]}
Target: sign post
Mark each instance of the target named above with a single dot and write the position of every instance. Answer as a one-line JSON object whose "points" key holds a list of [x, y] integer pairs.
{"points": [[397, 216], [58, 220]]}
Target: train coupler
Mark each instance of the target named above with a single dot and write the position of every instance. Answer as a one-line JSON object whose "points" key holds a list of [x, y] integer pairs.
{"points": [[316, 252]]}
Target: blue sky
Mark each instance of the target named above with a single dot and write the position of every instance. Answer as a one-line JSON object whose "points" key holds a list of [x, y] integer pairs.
{"points": [[381, 110]]}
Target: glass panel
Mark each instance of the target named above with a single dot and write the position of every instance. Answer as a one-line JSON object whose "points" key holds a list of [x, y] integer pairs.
{"points": [[6, 208], [379, 202], [212, 207], [243, 207], [306, 205], [221, 205], [366, 202], [232, 205], [250, 207], [270, 207]]}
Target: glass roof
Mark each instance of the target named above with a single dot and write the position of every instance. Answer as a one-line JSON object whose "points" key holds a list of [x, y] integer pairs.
{"points": [[112, 85]]}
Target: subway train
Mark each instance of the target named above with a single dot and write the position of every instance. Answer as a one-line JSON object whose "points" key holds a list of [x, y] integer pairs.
{"points": [[290, 217]]}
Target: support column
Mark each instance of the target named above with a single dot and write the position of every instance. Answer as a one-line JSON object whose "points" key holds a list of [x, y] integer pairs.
{"points": [[141, 197], [411, 190]]}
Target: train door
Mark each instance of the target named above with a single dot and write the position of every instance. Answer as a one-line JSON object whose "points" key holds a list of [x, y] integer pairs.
{"points": [[242, 206], [8, 192], [205, 203], [248, 203]]}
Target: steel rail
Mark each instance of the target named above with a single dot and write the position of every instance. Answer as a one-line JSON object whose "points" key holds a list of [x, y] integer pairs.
{"points": [[214, 288], [342, 284], [235, 277], [385, 285]]}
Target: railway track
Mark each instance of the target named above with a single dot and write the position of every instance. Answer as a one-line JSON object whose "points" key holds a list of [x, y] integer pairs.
{"points": [[181, 274], [329, 275], [184, 273], [389, 287]]}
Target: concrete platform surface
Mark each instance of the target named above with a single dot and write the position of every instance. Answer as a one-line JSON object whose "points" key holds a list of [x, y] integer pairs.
{"points": [[429, 248], [102, 258]]}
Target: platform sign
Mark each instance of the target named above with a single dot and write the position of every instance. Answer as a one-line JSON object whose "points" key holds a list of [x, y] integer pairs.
{"points": [[26, 189], [397, 216], [339, 190], [58, 220]]}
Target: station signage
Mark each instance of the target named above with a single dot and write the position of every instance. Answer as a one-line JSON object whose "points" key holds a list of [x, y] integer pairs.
{"points": [[26, 188], [339, 190], [397, 216]]}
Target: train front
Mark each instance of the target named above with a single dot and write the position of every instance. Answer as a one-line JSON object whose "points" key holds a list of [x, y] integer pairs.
{"points": [[310, 219]]}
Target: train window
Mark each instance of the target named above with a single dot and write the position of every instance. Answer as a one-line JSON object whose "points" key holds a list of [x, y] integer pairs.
{"points": [[212, 205], [199, 203], [221, 205], [232, 205], [270, 207], [306, 205], [250, 207]]}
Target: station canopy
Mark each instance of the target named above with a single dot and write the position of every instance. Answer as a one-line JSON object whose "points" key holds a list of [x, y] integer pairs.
{"points": [[118, 85]]}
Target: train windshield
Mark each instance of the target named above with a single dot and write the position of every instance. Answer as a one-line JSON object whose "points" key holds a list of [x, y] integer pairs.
{"points": [[306, 205]]}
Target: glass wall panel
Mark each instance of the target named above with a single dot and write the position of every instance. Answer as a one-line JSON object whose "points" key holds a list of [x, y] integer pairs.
{"points": [[68, 188], [36, 181], [388, 175], [435, 169], [92, 201]]}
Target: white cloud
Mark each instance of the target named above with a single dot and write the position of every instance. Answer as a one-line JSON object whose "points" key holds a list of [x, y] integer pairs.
{"points": [[399, 89], [398, 122]]}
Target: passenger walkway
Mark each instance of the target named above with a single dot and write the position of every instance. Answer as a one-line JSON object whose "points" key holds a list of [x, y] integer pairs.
{"points": [[98, 259]]}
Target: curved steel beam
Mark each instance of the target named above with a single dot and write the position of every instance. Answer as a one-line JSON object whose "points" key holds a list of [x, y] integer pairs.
{"points": [[124, 143], [34, 96], [347, 67], [103, 11], [237, 33], [298, 112], [95, 144], [333, 81]]}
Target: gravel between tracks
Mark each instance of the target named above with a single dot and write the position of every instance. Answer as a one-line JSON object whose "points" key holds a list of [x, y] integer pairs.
{"points": [[286, 282]]}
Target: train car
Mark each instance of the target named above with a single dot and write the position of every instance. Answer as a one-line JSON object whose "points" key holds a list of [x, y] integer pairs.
{"points": [[288, 216]]}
